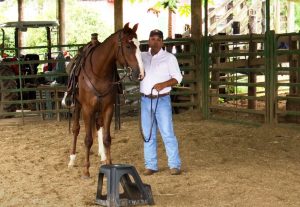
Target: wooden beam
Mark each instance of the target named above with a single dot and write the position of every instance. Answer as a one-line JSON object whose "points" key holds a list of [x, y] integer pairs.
{"points": [[118, 14], [20, 18], [61, 20], [196, 21]]}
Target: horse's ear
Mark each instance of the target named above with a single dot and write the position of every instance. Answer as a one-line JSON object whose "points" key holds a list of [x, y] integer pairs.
{"points": [[135, 27], [126, 26]]}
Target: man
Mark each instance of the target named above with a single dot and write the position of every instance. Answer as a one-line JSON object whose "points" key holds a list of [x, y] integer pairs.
{"points": [[162, 72]]}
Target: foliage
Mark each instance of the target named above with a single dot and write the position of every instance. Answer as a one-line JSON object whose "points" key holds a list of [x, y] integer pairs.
{"points": [[80, 22], [184, 10], [297, 14], [80, 27], [133, 1], [170, 4]]}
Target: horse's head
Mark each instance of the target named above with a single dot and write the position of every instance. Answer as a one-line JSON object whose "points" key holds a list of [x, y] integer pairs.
{"points": [[129, 54]]}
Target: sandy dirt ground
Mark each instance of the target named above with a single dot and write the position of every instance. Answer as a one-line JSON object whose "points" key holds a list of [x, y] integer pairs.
{"points": [[223, 164]]}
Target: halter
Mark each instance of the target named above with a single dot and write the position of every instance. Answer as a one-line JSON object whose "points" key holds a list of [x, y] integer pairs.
{"points": [[127, 68]]}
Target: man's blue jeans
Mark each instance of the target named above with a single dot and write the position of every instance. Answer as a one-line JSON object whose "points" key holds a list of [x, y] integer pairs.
{"points": [[163, 120]]}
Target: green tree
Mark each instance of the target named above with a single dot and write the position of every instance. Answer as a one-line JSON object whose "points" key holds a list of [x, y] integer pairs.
{"points": [[80, 27], [297, 14], [81, 21], [171, 6]]}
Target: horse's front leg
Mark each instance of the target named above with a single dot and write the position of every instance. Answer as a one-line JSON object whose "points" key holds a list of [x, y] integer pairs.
{"points": [[107, 117], [75, 131], [99, 127]]}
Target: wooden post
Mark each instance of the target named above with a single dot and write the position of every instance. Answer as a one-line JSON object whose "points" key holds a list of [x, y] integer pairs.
{"points": [[293, 74], [118, 14], [251, 75], [61, 20], [291, 104], [196, 35], [196, 21], [20, 18], [215, 75]]}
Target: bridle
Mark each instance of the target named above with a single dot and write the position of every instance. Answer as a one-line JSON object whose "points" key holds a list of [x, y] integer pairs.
{"points": [[127, 68]]}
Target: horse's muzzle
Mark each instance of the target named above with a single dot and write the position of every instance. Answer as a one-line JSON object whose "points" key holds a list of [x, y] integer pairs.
{"points": [[135, 75]]}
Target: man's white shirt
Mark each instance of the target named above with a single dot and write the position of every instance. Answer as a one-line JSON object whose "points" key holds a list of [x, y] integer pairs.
{"points": [[161, 67]]}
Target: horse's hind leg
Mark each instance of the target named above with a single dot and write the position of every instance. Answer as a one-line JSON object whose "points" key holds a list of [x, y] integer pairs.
{"points": [[89, 123], [75, 131]]}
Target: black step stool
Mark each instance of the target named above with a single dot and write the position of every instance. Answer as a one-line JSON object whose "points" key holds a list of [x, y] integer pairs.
{"points": [[135, 193]]}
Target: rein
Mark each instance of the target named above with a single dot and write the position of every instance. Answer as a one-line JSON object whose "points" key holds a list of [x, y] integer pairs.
{"points": [[153, 112], [91, 86]]}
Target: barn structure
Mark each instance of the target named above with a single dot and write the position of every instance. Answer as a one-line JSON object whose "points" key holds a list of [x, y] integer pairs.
{"points": [[236, 66]]}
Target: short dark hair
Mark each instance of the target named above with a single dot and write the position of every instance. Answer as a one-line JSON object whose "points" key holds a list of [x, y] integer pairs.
{"points": [[157, 33]]}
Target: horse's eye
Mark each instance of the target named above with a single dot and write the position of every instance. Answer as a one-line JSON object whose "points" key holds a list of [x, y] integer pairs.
{"points": [[128, 46]]}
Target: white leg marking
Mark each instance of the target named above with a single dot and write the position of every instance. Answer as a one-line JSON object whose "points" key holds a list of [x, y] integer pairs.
{"points": [[101, 145], [63, 101], [139, 57], [72, 160]]}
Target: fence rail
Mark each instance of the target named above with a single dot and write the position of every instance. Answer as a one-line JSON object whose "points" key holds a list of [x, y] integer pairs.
{"points": [[39, 94], [240, 78]]}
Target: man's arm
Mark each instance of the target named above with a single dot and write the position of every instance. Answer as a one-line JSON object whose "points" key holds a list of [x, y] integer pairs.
{"points": [[162, 85]]}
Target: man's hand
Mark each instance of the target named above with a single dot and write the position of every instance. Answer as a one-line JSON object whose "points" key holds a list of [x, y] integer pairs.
{"points": [[159, 86]]}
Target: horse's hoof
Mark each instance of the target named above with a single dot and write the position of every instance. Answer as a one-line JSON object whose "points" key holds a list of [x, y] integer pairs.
{"points": [[71, 164], [85, 177], [105, 162]]}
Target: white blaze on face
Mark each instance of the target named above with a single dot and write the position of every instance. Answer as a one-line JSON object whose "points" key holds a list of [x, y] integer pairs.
{"points": [[101, 152], [139, 57]]}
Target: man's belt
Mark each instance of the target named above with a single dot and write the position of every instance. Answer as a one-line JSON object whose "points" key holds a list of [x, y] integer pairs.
{"points": [[155, 96]]}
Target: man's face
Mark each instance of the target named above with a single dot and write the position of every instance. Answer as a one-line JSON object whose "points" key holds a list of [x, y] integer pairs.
{"points": [[155, 43]]}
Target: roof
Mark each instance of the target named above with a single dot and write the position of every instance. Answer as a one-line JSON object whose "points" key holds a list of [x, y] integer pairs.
{"points": [[29, 24]]}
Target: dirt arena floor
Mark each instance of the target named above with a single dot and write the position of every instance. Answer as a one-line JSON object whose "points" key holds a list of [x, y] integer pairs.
{"points": [[224, 164]]}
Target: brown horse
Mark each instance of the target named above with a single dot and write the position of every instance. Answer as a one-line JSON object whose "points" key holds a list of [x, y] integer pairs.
{"points": [[97, 90]]}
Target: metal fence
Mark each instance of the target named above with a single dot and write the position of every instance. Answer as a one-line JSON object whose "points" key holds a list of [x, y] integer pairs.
{"points": [[24, 94], [242, 78], [252, 78]]}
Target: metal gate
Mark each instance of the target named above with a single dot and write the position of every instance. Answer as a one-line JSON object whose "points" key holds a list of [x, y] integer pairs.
{"points": [[251, 78]]}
